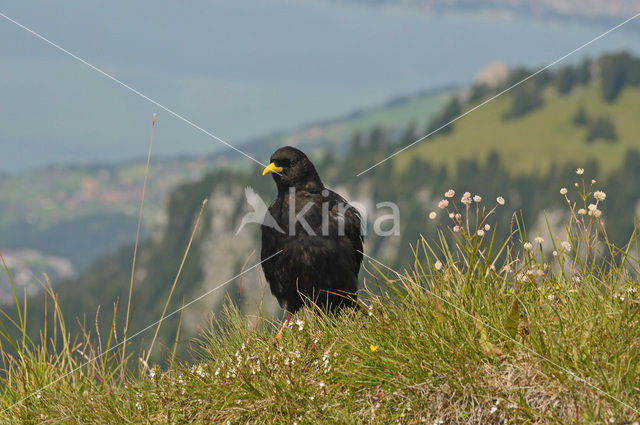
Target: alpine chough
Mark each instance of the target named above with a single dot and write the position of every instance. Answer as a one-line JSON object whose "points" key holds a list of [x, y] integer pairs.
{"points": [[317, 250]]}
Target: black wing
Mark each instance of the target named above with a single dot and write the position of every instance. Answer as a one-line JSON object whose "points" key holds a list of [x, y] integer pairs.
{"points": [[340, 209]]}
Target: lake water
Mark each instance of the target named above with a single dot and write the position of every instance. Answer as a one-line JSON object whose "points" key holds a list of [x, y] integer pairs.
{"points": [[237, 68]]}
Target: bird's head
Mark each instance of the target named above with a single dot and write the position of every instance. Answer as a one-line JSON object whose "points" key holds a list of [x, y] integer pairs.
{"points": [[291, 168]]}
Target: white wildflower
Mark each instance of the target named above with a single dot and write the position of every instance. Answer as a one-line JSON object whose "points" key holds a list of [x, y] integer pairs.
{"points": [[493, 410], [555, 253], [300, 324], [450, 193], [580, 171], [477, 199], [551, 297], [582, 211], [452, 216], [632, 290], [528, 246], [480, 232], [466, 198], [200, 371], [500, 200], [594, 211], [456, 228], [600, 195], [566, 245], [438, 265], [487, 227], [433, 215], [443, 204], [563, 191], [538, 240]]}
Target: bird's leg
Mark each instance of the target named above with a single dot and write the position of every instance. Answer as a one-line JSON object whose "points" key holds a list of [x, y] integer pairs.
{"points": [[284, 325]]}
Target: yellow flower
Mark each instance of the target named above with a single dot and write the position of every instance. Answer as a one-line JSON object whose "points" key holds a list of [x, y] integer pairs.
{"points": [[373, 348]]}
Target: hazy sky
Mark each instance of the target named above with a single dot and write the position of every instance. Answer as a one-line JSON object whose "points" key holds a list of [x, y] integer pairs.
{"points": [[237, 68]]}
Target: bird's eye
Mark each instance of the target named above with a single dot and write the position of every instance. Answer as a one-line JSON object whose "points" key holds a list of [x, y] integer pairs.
{"points": [[283, 163]]}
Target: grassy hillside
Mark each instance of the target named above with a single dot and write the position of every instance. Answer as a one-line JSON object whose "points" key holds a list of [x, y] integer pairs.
{"points": [[546, 136], [481, 330]]}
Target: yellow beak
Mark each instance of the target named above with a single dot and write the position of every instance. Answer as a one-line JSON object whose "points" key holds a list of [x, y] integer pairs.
{"points": [[271, 168]]}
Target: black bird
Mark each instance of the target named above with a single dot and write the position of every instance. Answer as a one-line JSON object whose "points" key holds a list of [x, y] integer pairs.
{"points": [[320, 239]]}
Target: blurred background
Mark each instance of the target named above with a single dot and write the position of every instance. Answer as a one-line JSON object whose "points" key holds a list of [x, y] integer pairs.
{"points": [[349, 82]]}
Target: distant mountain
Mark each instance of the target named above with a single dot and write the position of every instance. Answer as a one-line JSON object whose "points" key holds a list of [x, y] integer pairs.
{"points": [[591, 9]]}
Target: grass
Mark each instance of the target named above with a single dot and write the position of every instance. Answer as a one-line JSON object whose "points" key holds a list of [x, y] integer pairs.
{"points": [[476, 331], [546, 136]]}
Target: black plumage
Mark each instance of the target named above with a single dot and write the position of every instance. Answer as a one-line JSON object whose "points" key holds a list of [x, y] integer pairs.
{"points": [[321, 249]]}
